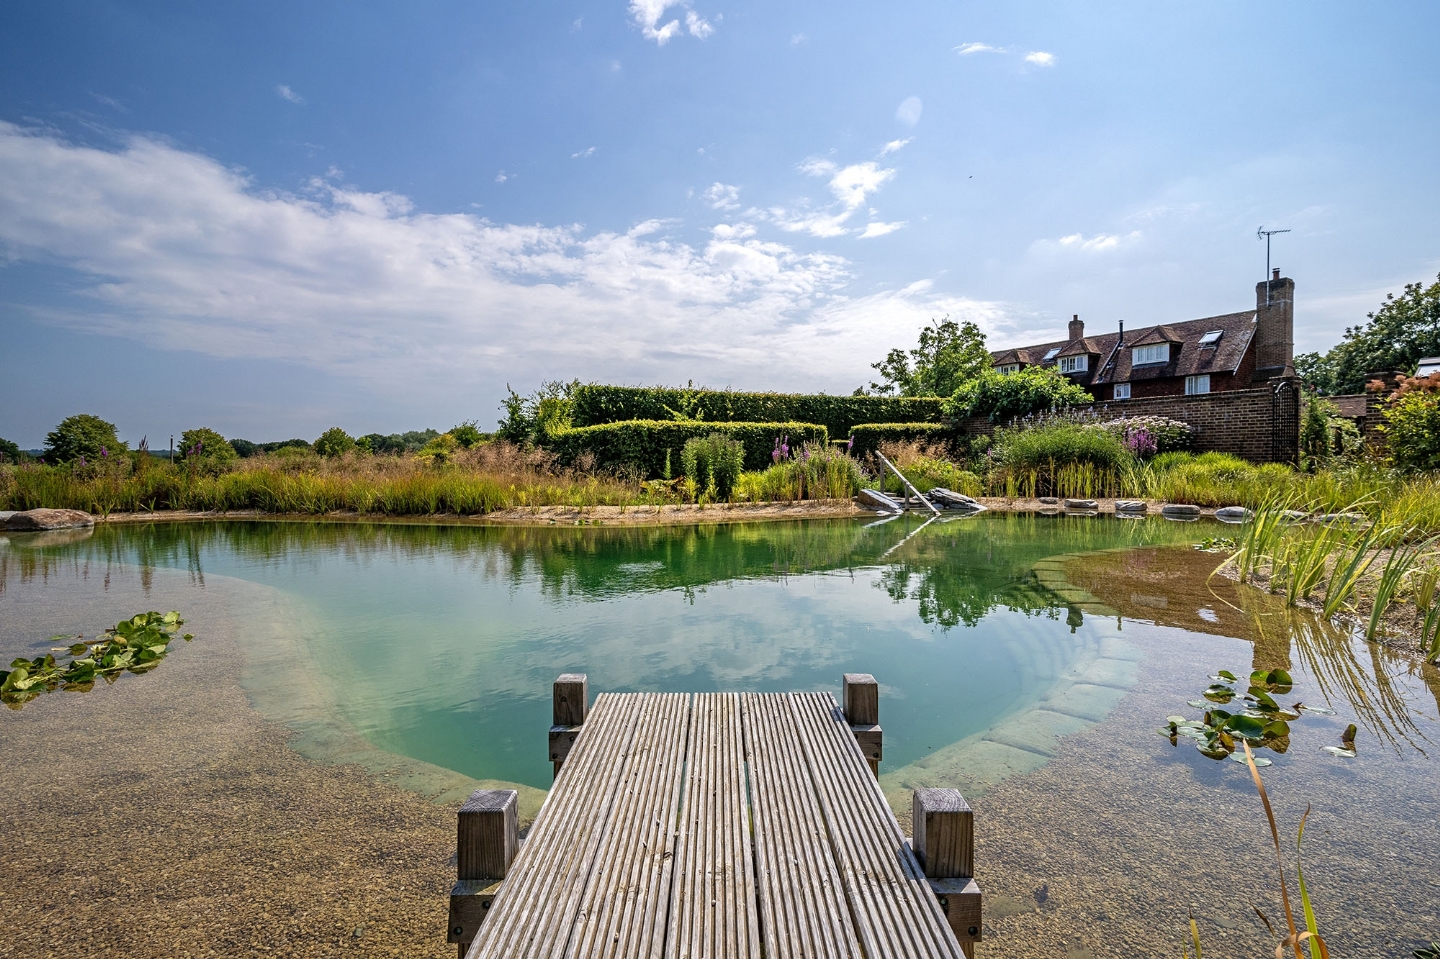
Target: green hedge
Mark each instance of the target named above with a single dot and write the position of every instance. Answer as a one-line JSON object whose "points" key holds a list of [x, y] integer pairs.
{"points": [[643, 443], [596, 404], [869, 436]]}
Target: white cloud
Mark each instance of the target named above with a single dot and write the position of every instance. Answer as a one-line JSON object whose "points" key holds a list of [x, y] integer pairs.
{"points": [[722, 196], [966, 49], [1040, 58], [894, 146], [172, 249], [798, 39], [875, 228], [647, 14], [849, 185], [501, 177], [1099, 243], [587, 152], [577, 25], [908, 112], [285, 93]]}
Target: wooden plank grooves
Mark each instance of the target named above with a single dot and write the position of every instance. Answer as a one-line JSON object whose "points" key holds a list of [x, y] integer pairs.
{"points": [[893, 909]]}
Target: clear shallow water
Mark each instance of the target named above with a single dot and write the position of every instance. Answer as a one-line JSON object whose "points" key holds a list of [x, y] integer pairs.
{"points": [[439, 643]]}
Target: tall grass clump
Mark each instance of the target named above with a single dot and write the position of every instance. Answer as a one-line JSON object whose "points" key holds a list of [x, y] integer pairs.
{"points": [[1058, 459], [821, 473], [712, 464], [928, 465]]}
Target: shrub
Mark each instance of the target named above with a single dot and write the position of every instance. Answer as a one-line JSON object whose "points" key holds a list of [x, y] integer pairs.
{"points": [[814, 473], [868, 437], [467, 434], [643, 445], [531, 419], [595, 404], [1325, 434], [927, 466], [82, 436], [1000, 397], [439, 450], [1412, 430], [713, 461], [1060, 444], [11, 452], [1159, 434], [334, 442]]}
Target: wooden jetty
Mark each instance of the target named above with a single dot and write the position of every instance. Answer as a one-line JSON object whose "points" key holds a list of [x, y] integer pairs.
{"points": [[715, 826]]}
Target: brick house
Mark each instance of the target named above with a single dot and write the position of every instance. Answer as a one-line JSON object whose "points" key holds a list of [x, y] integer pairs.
{"points": [[1214, 354]]}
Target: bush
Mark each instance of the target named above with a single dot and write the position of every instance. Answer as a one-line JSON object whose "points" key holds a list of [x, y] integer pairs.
{"points": [[713, 463], [868, 437], [246, 449], [468, 434], [82, 436], [207, 450], [1148, 435], [440, 450], [334, 442], [1325, 434], [1000, 397], [595, 404], [11, 452], [531, 419], [395, 444], [1412, 430], [644, 445], [818, 473], [1060, 444]]}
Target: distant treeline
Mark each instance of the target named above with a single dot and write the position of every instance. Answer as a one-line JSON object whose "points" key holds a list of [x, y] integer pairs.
{"points": [[396, 443]]}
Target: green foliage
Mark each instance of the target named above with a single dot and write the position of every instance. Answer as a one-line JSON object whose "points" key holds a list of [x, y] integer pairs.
{"points": [[532, 419], [867, 437], [949, 355], [1258, 719], [334, 442], [11, 452], [1168, 435], [1001, 397], [82, 435], [713, 462], [439, 450], [926, 473], [1059, 444], [468, 434], [1325, 434], [1412, 430], [396, 444], [1399, 333], [595, 404], [206, 449], [246, 449], [823, 473], [643, 445], [134, 645]]}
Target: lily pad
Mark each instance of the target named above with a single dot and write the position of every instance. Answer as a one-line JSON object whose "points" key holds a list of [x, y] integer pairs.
{"points": [[1240, 758], [1340, 751], [1321, 710]]}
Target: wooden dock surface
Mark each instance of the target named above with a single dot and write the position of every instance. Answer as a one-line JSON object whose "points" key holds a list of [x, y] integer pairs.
{"points": [[715, 826]]}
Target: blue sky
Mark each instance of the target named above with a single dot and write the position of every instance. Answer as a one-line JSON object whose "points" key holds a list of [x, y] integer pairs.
{"points": [[271, 218]]}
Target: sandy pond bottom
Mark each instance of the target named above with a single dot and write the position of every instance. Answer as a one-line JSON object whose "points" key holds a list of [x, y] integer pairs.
{"points": [[163, 816]]}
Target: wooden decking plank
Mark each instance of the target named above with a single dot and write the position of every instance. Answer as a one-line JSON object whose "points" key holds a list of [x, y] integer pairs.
{"points": [[803, 913], [713, 912], [624, 908], [889, 897], [535, 910]]}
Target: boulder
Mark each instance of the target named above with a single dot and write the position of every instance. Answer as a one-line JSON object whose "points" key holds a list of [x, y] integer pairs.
{"points": [[1086, 504], [1340, 519], [1049, 500], [874, 499], [1180, 511], [949, 499], [1131, 506], [37, 519], [1232, 514], [5, 514]]}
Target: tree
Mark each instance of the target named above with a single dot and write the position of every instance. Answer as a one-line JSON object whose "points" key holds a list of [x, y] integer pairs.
{"points": [[334, 442], [81, 435], [207, 445], [10, 452], [1402, 331], [948, 355], [467, 434], [1001, 397]]}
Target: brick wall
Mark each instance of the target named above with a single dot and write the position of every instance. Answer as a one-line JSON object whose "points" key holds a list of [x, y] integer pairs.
{"points": [[1364, 409], [1262, 425]]}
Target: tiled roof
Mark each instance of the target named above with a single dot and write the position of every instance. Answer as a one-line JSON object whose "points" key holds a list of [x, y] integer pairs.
{"points": [[1187, 357]]}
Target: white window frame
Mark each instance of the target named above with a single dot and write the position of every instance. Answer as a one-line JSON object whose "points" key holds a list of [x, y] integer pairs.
{"points": [[1004, 368], [1154, 353], [1122, 391], [1197, 385], [1074, 364], [1211, 339]]}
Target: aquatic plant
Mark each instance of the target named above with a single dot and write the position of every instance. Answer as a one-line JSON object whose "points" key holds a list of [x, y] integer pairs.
{"points": [[133, 645], [1262, 721]]}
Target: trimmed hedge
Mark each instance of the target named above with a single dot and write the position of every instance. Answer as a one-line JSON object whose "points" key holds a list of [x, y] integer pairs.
{"points": [[643, 443], [596, 404], [869, 436]]}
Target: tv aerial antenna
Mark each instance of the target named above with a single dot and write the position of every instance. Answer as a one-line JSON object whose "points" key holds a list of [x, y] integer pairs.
{"points": [[1267, 234]]}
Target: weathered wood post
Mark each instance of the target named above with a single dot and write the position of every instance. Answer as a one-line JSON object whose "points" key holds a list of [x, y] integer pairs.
{"points": [[571, 701], [945, 845], [487, 837], [862, 711]]}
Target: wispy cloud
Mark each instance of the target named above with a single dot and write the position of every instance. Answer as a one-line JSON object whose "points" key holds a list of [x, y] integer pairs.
{"points": [[967, 49], [849, 185], [502, 176], [908, 112], [1040, 58], [722, 196], [172, 247], [894, 146], [110, 102], [577, 25], [797, 39], [1037, 58], [875, 228], [582, 154], [284, 92], [1080, 243], [647, 14]]}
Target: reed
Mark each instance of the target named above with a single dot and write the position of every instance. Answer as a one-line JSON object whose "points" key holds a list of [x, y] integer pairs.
{"points": [[1398, 564]]}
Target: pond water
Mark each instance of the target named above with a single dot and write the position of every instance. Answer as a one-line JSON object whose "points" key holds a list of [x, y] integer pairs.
{"points": [[1011, 650]]}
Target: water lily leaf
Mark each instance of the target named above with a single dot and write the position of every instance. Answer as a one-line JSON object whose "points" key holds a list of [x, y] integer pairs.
{"points": [[1190, 732], [1240, 758], [1281, 678], [1340, 751], [1246, 726], [1321, 710], [1174, 720], [1277, 728], [1211, 752], [1226, 675], [1198, 703], [1221, 695], [79, 649]]}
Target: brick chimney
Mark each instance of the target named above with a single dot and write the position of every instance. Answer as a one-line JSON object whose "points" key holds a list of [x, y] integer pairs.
{"points": [[1077, 328], [1275, 327]]}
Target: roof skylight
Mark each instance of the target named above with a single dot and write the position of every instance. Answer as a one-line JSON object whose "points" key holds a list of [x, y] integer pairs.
{"points": [[1211, 338], [1051, 353]]}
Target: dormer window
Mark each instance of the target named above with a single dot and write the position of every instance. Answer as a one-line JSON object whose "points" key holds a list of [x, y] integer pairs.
{"points": [[1211, 338], [1008, 368], [1154, 353], [1074, 364]]}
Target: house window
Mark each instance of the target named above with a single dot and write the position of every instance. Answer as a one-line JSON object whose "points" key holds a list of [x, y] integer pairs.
{"points": [[1050, 354], [1074, 364], [1211, 338], [1195, 385], [1155, 353], [1008, 368], [1122, 391]]}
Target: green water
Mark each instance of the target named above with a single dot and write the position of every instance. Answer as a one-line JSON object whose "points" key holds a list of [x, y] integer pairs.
{"points": [[439, 643]]}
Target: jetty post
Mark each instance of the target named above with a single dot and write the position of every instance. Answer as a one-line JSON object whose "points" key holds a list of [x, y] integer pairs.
{"points": [[944, 842], [861, 698], [487, 838]]}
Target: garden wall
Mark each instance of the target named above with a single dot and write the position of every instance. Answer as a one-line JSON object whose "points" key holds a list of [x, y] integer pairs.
{"points": [[1262, 425], [1364, 410]]}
